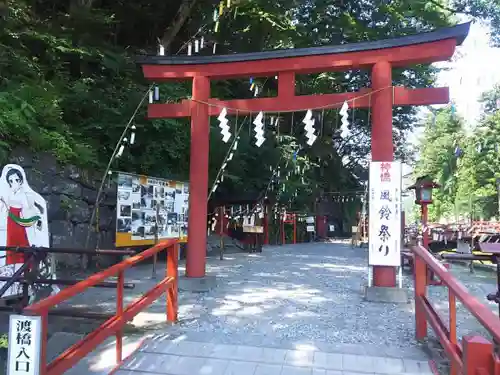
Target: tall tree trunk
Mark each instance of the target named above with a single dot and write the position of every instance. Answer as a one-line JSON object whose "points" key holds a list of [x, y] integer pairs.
{"points": [[75, 5], [180, 19]]}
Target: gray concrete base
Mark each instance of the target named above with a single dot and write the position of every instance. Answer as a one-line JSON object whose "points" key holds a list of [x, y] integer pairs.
{"points": [[197, 284], [386, 295]]}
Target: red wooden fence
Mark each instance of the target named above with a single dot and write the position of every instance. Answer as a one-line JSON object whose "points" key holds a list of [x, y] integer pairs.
{"points": [[115, 324], [475, 354]]}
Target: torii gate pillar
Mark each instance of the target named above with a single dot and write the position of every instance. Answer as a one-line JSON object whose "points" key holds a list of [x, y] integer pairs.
{"points": [[198, 178], [382, 143]]}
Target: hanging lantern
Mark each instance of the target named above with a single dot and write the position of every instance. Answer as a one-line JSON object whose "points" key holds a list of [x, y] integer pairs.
{"points": [[423, 190]]}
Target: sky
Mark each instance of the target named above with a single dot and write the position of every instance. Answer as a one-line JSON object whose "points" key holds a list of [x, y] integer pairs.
{"points": [[473, 71]]}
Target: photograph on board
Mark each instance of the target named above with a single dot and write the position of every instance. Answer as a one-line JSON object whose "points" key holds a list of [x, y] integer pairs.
{"points": [[172, 219], [136, 185], [137, 218], [147, 191], [125, 210], [124, 225], [124, 181], [149, 217], [138, 232]]}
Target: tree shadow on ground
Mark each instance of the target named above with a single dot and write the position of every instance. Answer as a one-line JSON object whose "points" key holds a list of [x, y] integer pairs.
{"points": [[307, 295]]}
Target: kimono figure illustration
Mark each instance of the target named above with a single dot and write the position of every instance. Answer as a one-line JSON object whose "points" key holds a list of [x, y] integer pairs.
{"points": [[23, 217]]}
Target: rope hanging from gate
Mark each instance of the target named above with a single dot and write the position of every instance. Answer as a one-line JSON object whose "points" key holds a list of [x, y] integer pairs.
{"points": [[327, 106]]}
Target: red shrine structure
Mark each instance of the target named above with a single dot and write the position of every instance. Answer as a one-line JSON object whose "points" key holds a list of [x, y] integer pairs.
{"points": [[379, 57]]}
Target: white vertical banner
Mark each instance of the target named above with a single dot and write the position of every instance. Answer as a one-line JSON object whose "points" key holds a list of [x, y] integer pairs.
{"points": [[385, 214], [25, 334]]}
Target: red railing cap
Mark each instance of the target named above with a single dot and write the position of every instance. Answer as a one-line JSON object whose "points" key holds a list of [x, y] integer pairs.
{"points": [[67, 293], [482, 313]]}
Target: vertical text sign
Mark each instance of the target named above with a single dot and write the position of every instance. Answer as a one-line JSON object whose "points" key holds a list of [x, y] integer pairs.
{"points": [[25, 334], [385, 214]]}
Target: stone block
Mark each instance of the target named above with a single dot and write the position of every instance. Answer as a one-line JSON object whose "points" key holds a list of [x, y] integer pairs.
{"points": [[197, 284], [386, 294]]}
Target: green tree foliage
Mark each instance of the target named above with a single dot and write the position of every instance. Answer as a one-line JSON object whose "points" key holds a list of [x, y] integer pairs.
{"points": [[469, 181], [443, 134], [69, 84], [483, 10]]}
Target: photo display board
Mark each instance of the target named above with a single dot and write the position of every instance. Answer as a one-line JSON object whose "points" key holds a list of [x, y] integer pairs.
{"points": [[142, 201], [385, 214]]}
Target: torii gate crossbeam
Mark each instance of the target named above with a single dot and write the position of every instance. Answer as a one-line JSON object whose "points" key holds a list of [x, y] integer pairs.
{"points": [[379, 57]]}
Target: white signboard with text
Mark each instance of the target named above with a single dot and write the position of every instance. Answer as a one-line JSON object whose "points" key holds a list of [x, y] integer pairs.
{"points": [[25, 333], [385, 214]]}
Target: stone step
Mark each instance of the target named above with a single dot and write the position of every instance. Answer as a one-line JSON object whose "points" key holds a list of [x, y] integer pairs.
{"points": [[167, 357]]}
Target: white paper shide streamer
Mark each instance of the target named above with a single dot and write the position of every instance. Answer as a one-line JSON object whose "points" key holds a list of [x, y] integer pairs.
{"points": [[122, 148], [259, 129], [132, 135], [309, 127], [223, 124], [344, 130]]}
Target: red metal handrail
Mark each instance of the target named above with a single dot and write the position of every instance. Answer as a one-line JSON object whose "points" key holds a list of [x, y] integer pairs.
{"points": [[476, 354], [115, 324]]}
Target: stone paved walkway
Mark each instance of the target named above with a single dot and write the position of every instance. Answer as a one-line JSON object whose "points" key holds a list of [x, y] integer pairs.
{"points": [[296, 309]]}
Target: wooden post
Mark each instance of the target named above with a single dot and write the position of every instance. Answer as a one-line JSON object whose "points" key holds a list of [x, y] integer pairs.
{"points": [[477, 355], [420, 281], [222, 212], [294, 228], [155, 256], [266, 225], [119, 312], [172, 292]]}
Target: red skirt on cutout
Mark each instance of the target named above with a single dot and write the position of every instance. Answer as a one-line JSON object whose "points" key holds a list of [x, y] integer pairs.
{"points": [[16, 236]]}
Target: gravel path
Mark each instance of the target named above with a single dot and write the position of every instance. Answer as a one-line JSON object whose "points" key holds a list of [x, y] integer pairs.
{"points": [[307, 293], [285, 297]]}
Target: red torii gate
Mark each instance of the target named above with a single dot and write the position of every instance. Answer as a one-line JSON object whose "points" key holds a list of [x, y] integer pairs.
{"points": [[379, 56]]}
